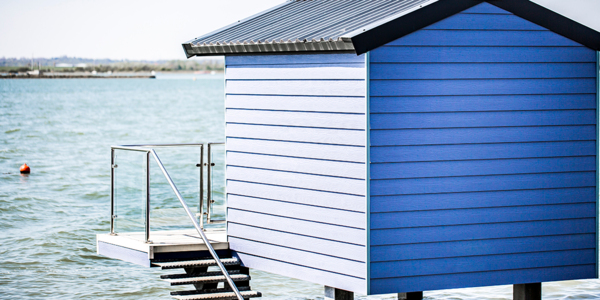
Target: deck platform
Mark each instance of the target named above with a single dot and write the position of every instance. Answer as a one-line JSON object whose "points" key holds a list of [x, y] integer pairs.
{"points": [[173, 244]]}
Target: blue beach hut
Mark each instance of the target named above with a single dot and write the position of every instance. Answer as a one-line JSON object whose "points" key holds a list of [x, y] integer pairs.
{"points": [[405, 146], [401, 146]]}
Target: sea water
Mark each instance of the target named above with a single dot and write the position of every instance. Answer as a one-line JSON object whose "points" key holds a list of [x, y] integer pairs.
{"points": [[63, 129]]}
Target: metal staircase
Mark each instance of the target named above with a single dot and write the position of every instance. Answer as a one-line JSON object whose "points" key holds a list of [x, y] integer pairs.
{"points": [[235, 278], [205, 282]]}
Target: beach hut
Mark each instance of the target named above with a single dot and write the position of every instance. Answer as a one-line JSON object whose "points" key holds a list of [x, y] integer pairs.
{"points": [[404, 146], [401, 146]]}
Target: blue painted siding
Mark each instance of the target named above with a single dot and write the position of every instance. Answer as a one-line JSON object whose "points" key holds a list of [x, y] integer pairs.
{"points": [[296, 166], [482, 156]]}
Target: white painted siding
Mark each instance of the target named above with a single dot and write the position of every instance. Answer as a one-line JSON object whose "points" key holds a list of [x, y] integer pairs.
{"points": [[296, 166]]}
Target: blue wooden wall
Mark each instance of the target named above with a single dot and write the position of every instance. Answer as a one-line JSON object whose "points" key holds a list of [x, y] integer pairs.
{"points": [[483, 156], [296, 166]]}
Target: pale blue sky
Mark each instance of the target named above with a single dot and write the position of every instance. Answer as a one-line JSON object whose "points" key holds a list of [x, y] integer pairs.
{"points": [[135, 29]]}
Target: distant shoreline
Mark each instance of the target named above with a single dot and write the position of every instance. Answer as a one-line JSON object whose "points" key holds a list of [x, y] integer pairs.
{"points": [[44, 76], [106, 75]]}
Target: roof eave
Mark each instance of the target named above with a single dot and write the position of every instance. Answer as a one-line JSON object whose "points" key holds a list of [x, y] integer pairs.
{"points": [[341, 44], [187, 45]]}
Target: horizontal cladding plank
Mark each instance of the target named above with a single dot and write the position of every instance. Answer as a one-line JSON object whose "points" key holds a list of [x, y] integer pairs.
{"points": [[482, 87], [292, 118], [424, 202], [482, 263], [298, 211], [299, 257], [297, 134], [391, 154], [481, 231], [296, 195], [308, 71], [304, 273], [482, 247], [481, 215], [406, 54], [481, 167], [404, 137], [464, 280], [301, 165], [483, 38], [327, 247], [481, 71], [297, 87], [481, 103], [308, 228], [305, 150], [481, 183], [486, 8], [297, 103], [327, 58], [298, 180], [482, 119], [485, 22]]}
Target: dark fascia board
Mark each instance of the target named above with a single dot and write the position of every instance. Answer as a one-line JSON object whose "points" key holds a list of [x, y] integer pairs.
{"points": [[430, 14], [551, 20], [409, 23]]}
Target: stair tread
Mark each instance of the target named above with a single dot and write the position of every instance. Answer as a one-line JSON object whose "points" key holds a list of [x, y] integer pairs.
{"points": [[194, 263], [208, 291], [215, 273], [205, 279], [221, 295]]}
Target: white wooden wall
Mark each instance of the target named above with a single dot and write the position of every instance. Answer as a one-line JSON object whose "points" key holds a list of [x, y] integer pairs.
{"points": [[296, 165]]}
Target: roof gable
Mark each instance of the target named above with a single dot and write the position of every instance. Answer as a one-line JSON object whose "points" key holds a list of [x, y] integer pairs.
{"points": [[360, 26]]}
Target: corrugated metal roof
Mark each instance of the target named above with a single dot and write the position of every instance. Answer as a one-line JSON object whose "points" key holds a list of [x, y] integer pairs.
{"points": [[360, 25], [302, 25]]}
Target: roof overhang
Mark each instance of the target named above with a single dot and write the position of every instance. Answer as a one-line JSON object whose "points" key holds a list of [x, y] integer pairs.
{"points": [[341, 44]]}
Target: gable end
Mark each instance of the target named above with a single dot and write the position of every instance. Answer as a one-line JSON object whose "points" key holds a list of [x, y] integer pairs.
{"points": [[553, 21], [409, 23], [430, 14]]}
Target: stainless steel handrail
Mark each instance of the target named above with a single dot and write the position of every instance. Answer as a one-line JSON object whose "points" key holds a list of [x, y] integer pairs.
{"points": [[197, 226]]}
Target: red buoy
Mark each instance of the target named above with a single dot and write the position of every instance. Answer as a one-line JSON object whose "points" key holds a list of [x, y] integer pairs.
{"points": [[25, 169]]}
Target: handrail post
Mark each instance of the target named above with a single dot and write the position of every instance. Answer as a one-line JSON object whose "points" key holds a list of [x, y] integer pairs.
{"points": [[201, 186], [112, 191], [148, 198], [209, 185]]}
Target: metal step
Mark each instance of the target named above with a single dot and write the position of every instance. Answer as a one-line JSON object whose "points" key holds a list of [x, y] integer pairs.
{"points": [[215, 273], [206, 282], [206, 279], [220, 296], [208, 291], [196, 263]]}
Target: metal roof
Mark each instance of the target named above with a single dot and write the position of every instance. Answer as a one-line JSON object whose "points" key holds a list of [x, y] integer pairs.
{"points": [[302, 25], [359, 25]]}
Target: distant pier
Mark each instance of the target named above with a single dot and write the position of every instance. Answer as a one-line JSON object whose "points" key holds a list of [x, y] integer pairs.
{"points": [[73, 76]]}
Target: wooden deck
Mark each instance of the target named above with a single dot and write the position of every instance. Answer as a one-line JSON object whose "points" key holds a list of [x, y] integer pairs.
{"points": [[131, 247]]}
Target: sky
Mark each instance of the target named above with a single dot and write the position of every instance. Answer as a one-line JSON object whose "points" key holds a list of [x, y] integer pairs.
{"points": [[149, 29]]}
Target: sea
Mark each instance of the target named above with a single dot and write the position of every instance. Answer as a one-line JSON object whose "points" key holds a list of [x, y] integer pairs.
{"points": [[63, 129]]}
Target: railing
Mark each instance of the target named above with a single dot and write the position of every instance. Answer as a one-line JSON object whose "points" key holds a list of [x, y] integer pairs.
{"points": [[203, 213], [148, 149]]}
